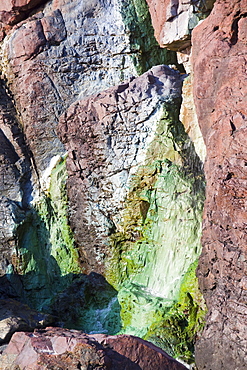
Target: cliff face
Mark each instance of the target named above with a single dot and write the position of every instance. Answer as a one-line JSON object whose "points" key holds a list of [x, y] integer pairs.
{"points": [[116, 189], [102, 183], [219, 64]]}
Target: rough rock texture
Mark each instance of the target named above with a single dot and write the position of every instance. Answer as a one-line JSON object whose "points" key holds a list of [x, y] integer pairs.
{"points": [[69, 49], [55, 348], [173, 20], [220, 90], [15, 177], [107, 137], [136, 167], [12, 11], [62, 51], [189, 119], [15, 316]]}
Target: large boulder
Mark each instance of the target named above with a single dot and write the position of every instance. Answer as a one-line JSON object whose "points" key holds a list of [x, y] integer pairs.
{"points": [[56, 348], [107, 137]]}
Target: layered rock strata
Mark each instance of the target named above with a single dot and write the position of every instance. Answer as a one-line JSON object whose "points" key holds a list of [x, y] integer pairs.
{"points": [[219, 64], [55, 348]]}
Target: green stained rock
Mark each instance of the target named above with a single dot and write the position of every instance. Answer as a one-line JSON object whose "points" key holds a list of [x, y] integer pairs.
{"points": [[179, 326], [147, 52], [160, 240], [89, 304], [46, 251]]}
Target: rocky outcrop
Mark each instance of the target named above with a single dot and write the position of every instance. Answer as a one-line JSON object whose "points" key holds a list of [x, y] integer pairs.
{"points": [[48, 60], [219, 63], [173, 20], [63, 349], [131, 201], [107, 138], [133, 162], [13, 11]]}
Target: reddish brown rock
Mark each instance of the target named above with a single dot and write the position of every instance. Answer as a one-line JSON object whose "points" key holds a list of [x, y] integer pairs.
{"points": [[56, 348], [173, 20], [220, 93], [12, 11]]}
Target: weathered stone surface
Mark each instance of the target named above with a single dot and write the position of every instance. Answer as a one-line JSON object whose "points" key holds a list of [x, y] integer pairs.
{"points": [[12, 11], [135, 167], [15, 186], [173, 20], [69, 50], [220, 90], [107, 137], [65, 50], [15, 316], [189, 118], [63, 349]]}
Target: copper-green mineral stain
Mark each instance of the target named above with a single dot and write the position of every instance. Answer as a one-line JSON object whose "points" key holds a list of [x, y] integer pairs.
{"points": [[46, 251], [160, 239]]}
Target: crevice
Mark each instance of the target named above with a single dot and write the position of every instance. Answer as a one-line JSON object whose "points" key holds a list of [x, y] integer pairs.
{"points": [[234, 29], [233, 127], [16, 137], [229, 176]]}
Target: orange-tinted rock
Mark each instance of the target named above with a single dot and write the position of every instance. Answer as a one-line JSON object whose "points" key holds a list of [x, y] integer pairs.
{"points": [[220, 93], [56, 348]]}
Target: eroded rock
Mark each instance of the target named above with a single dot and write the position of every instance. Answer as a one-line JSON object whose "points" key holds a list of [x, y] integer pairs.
{"points": [[107, 137], [13, 11], [64, 349], [69, 50], [62, 51], [219, 61], [173, 20], [140, 181]]}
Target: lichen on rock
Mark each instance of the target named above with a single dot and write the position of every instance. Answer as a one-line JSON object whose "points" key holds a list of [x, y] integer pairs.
{"points": [[127, 211]]}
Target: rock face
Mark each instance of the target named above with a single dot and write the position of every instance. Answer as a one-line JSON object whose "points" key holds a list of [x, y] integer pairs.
{"points": [[219, 63], [13, 11], [106, 137], [47, 61], [116, 189], [63, 349], [173, 20], [125, 147]]}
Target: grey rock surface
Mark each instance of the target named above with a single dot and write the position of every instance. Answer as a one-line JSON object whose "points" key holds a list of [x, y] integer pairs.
{"points": [[107, 137]]}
